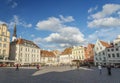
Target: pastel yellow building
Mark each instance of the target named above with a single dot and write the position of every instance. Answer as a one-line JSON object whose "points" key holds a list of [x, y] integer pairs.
{"points": [[78, 53], [4, 42]]}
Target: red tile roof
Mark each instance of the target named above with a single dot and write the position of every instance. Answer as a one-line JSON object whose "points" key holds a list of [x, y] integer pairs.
{"points": [[105, 44], [67, 51], [45, 53], [24, 42]]}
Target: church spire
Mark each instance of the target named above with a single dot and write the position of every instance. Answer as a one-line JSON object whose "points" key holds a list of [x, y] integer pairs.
{"points": [[14, 33]]}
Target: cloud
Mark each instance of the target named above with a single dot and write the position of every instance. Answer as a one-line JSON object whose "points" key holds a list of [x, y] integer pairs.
{"points": [[1, 22], [92, 9], [108, 17], [105, 22], [104, 34], [12, 3], [32, 35], [19, 22], [62, 35], [51, 24], [108, 10], [67, 19]]}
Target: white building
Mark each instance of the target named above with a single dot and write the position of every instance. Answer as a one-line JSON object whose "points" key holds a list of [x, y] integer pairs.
{"points": [[66, 56], [113, 52], [24, 52], [100, 55], [48, 57]]}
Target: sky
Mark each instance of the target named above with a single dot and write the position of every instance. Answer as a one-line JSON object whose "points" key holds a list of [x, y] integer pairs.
{"points": [[58, 24]]}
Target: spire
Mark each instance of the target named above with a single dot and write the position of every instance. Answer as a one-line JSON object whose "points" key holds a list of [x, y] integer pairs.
{"points": [[14, 33]]}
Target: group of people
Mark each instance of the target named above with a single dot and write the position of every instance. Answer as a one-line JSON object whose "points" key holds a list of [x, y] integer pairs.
{"points": [[17, 67], [108, 69]]}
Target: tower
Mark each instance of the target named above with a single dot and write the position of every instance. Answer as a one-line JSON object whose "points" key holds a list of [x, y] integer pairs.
{"points": [[14, 34]]}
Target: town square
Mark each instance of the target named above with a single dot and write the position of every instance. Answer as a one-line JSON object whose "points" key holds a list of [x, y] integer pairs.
{"points": [[61, 74], [59, 41]]}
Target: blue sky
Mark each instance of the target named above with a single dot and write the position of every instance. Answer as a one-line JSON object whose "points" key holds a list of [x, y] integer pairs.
{"points": [[57, 24]]}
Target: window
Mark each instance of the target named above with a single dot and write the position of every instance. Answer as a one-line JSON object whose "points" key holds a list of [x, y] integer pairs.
{"points": [[118, 55], [113, 55], [26, 49], [4, 52], [5, 39], [96, 59], [21, 48], [103, 53], [4, 45], [0, 45], [112, 49], [116, 44], [108, 50], [0, 38], [109, 55], [116, 49]]}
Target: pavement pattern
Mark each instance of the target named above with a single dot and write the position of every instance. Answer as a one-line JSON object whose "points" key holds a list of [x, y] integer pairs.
{"points": [[61, 74]]}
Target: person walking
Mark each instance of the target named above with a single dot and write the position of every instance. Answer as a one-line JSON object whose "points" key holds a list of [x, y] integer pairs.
{"points": [[38, 67], [17, 67], [109, 70], [100, 69]]}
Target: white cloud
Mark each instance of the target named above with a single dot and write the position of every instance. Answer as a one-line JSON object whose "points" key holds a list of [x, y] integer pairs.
{"points": [[105, 22], [1, 22], [66, 19], [108, 17], [104, 34], [108, 10], [18, 21], [51, 24], [63, 35], [92, 9]]}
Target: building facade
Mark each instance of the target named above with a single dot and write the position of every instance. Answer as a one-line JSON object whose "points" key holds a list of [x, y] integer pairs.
{"points": [[48, 57], [90, 53], [78, 53], [24, 52], [113, 52], [4, 42], [66, 56], [100, 54]]}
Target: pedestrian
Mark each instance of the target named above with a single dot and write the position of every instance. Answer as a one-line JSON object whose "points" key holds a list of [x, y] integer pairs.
{"points": [[100, 69], [78, 65], [17, 67], [109, 70], [38, 67]]}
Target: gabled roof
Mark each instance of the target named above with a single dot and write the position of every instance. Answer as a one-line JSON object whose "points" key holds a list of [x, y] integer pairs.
{"points": [[45, 53], [24, 42], [67, 51], [91, 45], [105, 44]]}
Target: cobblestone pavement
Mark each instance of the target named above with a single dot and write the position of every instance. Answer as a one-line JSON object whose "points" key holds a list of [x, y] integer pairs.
{"points": [[62, 74]]}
